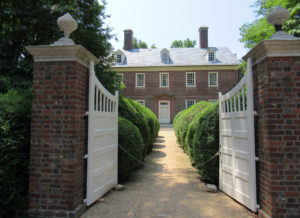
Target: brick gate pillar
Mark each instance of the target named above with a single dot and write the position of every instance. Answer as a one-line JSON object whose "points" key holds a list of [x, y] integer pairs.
{"points": [[276, 77], [58, 129]]}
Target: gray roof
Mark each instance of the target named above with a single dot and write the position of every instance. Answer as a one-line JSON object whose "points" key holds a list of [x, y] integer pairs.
{"points": [[178, 57]]}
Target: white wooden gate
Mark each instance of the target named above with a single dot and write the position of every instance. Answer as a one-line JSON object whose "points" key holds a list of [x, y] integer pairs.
{"points": [[237, 174], [102, 157]]}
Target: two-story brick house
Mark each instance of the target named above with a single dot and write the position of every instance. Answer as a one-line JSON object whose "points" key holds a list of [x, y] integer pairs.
{"points": [[170, 79]]}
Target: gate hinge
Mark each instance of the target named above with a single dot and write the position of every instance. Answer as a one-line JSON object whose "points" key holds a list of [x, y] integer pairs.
{"points": [[85, 156], [256, 158], [84, 200], [257, 206], [255, 113], [86, 113]]}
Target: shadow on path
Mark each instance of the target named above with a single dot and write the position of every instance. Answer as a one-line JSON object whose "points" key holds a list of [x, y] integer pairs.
{"points": [[167, 187]]}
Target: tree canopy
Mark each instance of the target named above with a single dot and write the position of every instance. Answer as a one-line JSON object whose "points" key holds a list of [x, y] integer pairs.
{"points": [[183, 44], [138, 43], [34, 23], [254, 32]]}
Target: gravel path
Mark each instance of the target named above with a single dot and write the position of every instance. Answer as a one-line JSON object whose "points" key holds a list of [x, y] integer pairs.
{"points": [[170, 187]]}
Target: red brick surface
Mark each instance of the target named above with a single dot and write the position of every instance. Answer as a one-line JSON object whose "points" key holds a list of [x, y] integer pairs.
{"points": [[58, 138], [277, 101], [177, 92]]}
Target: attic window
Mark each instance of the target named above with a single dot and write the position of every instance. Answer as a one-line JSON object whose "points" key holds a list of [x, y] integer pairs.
{"points": [[119, 58], [165, 58], [211, 56]]}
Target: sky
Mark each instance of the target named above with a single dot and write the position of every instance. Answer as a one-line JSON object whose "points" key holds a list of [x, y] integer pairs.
{"points": [[160, 22]]}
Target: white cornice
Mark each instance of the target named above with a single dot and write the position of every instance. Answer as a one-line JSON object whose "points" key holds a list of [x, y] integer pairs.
{"points": [[273, 48], [49, 53]]}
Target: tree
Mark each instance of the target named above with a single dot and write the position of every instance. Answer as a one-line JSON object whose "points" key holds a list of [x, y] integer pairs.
{"points": [[183, 44], [258, 30], [177, 44], [153, 46], [34, 23], [138, 43]]}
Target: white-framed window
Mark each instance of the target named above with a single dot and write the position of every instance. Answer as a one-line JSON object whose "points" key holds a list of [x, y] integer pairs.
{"points": [[164, 79], [142, 102], [140, 80], [165, 56], [212, 101], [211, 56], [189, 103], [213, 79], [119, 58], [190, 79]]}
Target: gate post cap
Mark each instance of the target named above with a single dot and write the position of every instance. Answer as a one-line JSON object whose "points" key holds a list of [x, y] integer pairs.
{"points": [[67, 24]]}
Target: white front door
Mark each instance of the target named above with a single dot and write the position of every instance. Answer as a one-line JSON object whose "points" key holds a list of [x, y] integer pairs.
{"points": [[164, 111]]}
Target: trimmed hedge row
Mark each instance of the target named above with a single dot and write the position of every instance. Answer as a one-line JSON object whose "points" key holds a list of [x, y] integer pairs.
{"points": [[201, 140], [15, 113], [182, 121], [141, 122]]}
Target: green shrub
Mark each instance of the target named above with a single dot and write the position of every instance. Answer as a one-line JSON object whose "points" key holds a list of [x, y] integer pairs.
{"points": [[129, 111], [204, 131], [15, 113], [131, 140], [151, 121], [183, 120]]}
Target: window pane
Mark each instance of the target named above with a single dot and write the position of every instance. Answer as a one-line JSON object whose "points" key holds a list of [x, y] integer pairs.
{"points": [[211, 56], [189, 103], [140, 80], [190, 79], [119, 58], [213, 80], [164, 80]]}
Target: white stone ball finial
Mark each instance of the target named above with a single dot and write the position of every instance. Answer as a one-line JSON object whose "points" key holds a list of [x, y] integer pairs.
{"points": [[67, 24], [278, 16]]}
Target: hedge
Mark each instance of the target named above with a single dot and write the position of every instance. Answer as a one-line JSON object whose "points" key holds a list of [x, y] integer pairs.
{"points": [[146, 127], [204, 131], [15, 113], [128, 110], [151, 121], [182, 121], [131, 140]]}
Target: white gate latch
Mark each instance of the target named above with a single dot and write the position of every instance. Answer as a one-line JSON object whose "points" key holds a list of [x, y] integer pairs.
{"points": [[85, 156]]}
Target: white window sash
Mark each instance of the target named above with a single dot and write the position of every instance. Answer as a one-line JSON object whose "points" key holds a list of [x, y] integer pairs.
{"points": [[187, 79], [213, 83], [140, 80], [164, 77]]}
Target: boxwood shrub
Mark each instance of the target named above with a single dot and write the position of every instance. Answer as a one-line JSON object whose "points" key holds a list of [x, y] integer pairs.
{"points": [[129, 111], [151, 121], [131, 140], [204, 132], [15, 113], [183, 120]]}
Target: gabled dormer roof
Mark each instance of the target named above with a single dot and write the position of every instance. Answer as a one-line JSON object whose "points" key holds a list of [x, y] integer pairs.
{"points": [[165, 56], [120, 57]]}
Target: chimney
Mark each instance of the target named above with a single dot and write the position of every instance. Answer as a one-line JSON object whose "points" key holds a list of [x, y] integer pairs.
{"points": [[128, 39], [203, 37]]}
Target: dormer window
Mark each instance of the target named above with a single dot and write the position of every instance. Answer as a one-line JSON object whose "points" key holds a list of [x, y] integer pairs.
{"points": [[165, 57], [211, 56], [120, 57]]}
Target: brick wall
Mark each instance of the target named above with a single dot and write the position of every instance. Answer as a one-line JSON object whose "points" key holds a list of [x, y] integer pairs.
{"points": [[177, 92], [58, 139], [277, 101]]}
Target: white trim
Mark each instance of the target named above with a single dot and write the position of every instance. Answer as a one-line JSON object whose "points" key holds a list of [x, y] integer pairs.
{"points": [[136, 80], [142, 102], [186, 79], [186, 102], [160, 80], [217, 79]]}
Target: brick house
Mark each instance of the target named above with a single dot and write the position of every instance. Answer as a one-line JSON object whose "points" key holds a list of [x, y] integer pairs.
{"points": [[169, 80]]}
